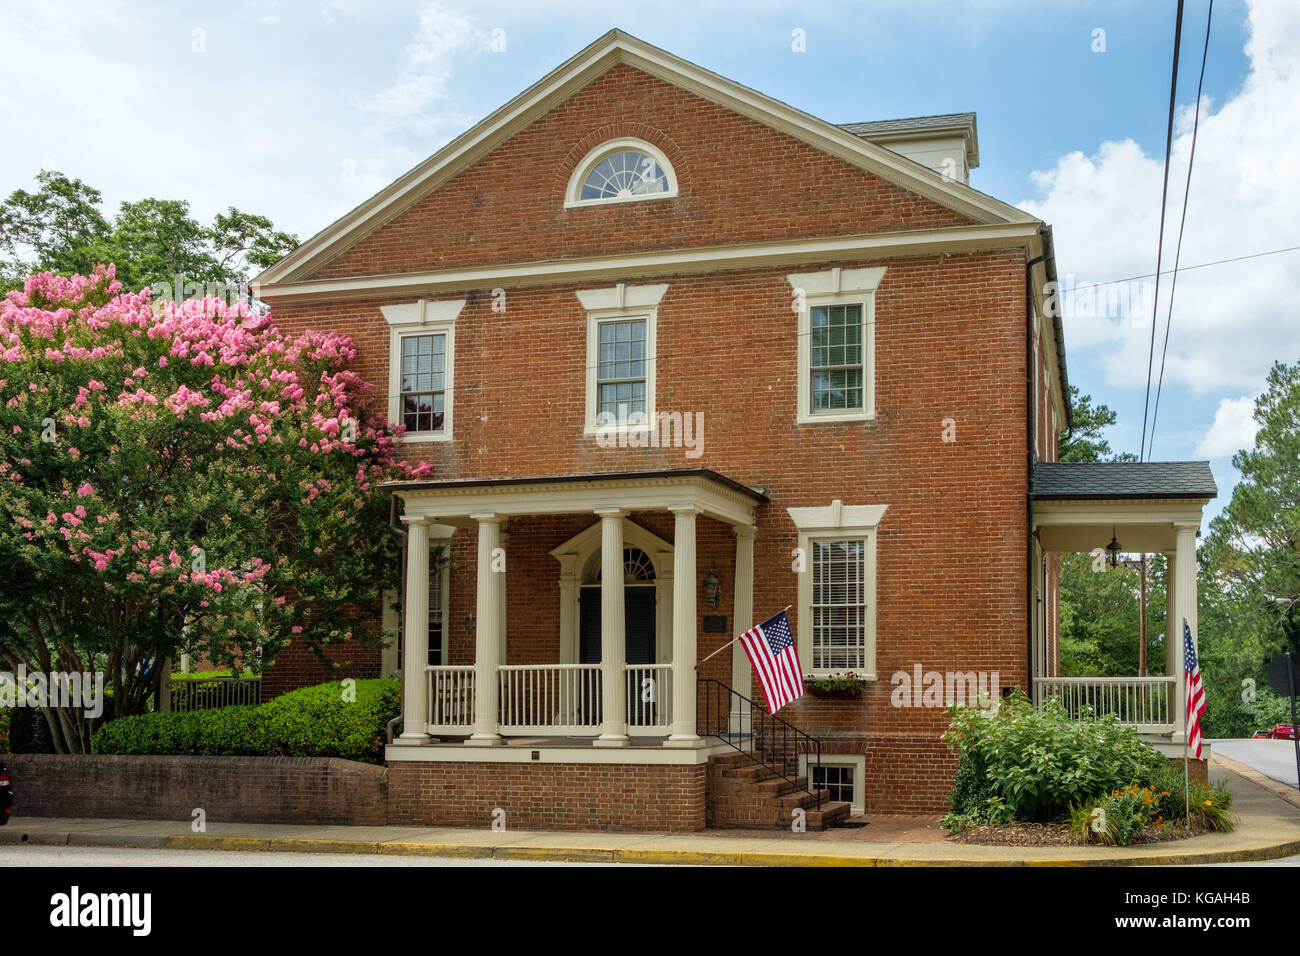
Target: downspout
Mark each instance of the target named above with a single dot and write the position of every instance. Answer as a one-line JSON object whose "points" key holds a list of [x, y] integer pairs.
{"points": [[399, 532], [1031, 411]]}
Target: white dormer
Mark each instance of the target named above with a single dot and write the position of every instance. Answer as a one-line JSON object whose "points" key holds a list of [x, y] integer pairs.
{"points": [[947, 144]]}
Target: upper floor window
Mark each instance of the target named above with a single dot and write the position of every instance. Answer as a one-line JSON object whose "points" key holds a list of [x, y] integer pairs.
{"points": [[621, 170], [836, 344], [422, 350], [620, 357]]}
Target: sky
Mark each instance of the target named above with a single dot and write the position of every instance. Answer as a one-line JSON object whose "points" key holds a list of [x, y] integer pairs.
{"points": [[300, 111]]}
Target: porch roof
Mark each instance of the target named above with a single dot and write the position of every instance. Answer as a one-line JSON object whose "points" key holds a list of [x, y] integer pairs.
{"points": [[1119, 480], [711, 493]]}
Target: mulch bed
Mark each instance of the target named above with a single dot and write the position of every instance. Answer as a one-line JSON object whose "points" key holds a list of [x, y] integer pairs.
{"points": [[1058, 834]]}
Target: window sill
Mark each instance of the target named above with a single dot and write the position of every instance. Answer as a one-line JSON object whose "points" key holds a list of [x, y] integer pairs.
{"points": [[617, 200], [836, 418], [614, 431], [420, 438]]}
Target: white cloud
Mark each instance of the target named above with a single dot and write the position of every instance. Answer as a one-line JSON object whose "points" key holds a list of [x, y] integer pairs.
{"points": [[1230, 321], [1234, 428], [426, 67]]}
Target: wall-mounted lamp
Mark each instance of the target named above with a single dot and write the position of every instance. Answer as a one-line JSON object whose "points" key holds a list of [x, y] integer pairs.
{"points": [[712, 591]]}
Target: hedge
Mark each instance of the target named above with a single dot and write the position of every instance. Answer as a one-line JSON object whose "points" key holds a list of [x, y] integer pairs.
{"points": [[311, 722]]}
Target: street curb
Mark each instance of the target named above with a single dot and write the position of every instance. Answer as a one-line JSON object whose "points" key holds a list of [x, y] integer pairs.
{"points": [[647, 856]]}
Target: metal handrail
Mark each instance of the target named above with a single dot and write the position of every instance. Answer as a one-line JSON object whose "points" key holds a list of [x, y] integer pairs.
{"points": [[768, 725]]}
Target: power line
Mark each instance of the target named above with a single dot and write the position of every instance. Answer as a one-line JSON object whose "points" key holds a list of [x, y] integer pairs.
{"points": [[1199, 265], [1160, 241], [1187, 189]]}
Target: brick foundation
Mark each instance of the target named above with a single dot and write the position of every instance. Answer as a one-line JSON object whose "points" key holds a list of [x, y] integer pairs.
{"points": [[315, 790], [552, 796]]}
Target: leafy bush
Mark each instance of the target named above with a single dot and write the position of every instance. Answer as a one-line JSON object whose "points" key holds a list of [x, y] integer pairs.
{"points": [[311, 722], [1038, 762], [1119, 817]]}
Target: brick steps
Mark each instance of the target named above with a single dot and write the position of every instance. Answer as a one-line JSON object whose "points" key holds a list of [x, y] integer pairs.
{"points": [[742, 794]]}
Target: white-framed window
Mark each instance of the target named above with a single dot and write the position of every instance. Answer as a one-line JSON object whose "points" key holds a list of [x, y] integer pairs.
{"points": [[841, 776], [621, 170], [621, 331], [836, 629], [421, 369], [837, 344]]}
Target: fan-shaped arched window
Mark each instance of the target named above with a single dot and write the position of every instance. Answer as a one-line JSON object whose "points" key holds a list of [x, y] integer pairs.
{"points": [[621, 170], [637, 567]]}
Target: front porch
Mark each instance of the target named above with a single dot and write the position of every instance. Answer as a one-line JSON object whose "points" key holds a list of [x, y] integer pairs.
{"points": [[1146, 508], [628, 616]]}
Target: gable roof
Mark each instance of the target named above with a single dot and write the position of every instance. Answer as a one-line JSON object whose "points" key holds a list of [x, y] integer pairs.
{"points": [[1123, 479], [612, 49]]}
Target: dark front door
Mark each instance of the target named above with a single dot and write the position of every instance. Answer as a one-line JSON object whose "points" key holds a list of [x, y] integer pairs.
{"points": [[638, 625], [639, 632]]}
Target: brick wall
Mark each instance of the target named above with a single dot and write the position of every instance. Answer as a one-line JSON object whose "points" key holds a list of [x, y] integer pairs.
{"points": [[738, 181], [307, 790], [553, 796]]}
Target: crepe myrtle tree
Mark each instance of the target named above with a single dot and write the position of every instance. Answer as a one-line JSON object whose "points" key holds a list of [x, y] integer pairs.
{"points": [[180, 477]]}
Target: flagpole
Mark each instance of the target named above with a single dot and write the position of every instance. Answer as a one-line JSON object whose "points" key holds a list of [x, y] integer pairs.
{"points": [[1187, 764], [736, 638]]}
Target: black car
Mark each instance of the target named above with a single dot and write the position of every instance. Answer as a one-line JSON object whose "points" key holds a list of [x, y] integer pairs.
{"points": [[6, 795]]}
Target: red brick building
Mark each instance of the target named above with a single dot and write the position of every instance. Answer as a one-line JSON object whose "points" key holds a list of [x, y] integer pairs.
{"points": [[681, 356]]}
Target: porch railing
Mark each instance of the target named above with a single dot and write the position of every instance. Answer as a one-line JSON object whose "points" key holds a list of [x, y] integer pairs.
{"points": [[768, 740], [1146, 703], [649, 698], [549, 698], [451, 699]]}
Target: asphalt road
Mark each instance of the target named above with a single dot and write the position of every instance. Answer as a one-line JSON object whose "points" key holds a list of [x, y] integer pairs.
{"points": [[1272, 758], [11, 856]]}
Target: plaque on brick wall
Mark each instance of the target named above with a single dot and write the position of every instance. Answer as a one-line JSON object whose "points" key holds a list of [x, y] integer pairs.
{"points": [[715, 624]]}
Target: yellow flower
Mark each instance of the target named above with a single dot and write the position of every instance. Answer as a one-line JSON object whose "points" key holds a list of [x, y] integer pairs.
{"points": [[1208, 803]]}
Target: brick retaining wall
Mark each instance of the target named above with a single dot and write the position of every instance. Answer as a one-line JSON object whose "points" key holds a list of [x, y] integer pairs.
{"points": [[317, 790]]}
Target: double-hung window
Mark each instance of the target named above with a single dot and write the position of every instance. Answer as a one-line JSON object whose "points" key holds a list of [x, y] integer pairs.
{"points": [[836, 347], [421, 368], [836, 624], [620, 357]]}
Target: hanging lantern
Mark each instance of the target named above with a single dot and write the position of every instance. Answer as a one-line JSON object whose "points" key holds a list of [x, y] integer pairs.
{"points": [[1113, 549]]}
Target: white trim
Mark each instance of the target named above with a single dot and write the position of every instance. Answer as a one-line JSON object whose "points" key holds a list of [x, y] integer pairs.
{"points": [[837, 287], [837, 522], [859, 764], [612, 49], [422, 318], [627, 143], [619, 304], [749, 255]]}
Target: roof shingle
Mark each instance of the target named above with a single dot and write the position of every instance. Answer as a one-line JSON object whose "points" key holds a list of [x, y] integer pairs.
{"points": [[1123, 479]]}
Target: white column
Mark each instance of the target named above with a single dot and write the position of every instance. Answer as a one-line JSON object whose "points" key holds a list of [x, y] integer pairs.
{"points": [[1184, 607], [415, 644], [502, 625], [684, 623], [613, 627], [742, 674], [487, 634]]}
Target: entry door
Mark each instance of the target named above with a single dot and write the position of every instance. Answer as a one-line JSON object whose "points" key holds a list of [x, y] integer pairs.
{"points": [[638, 625], [639, 634]]}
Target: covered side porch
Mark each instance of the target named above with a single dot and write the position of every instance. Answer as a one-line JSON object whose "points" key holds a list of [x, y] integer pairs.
{"points": [[1103, 508], [620, 674]]}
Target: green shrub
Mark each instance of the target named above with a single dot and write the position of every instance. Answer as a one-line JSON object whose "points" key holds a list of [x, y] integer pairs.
{"points": [[311, 722], [1038, 762], [1117, 818]]}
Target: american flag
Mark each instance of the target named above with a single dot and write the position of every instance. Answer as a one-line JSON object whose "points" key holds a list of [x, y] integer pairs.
{"points": [[1193, 690], [771, 650]]}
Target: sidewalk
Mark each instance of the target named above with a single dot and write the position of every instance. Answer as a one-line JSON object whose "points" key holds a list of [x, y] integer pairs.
{"points": [[1269, 827]]}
